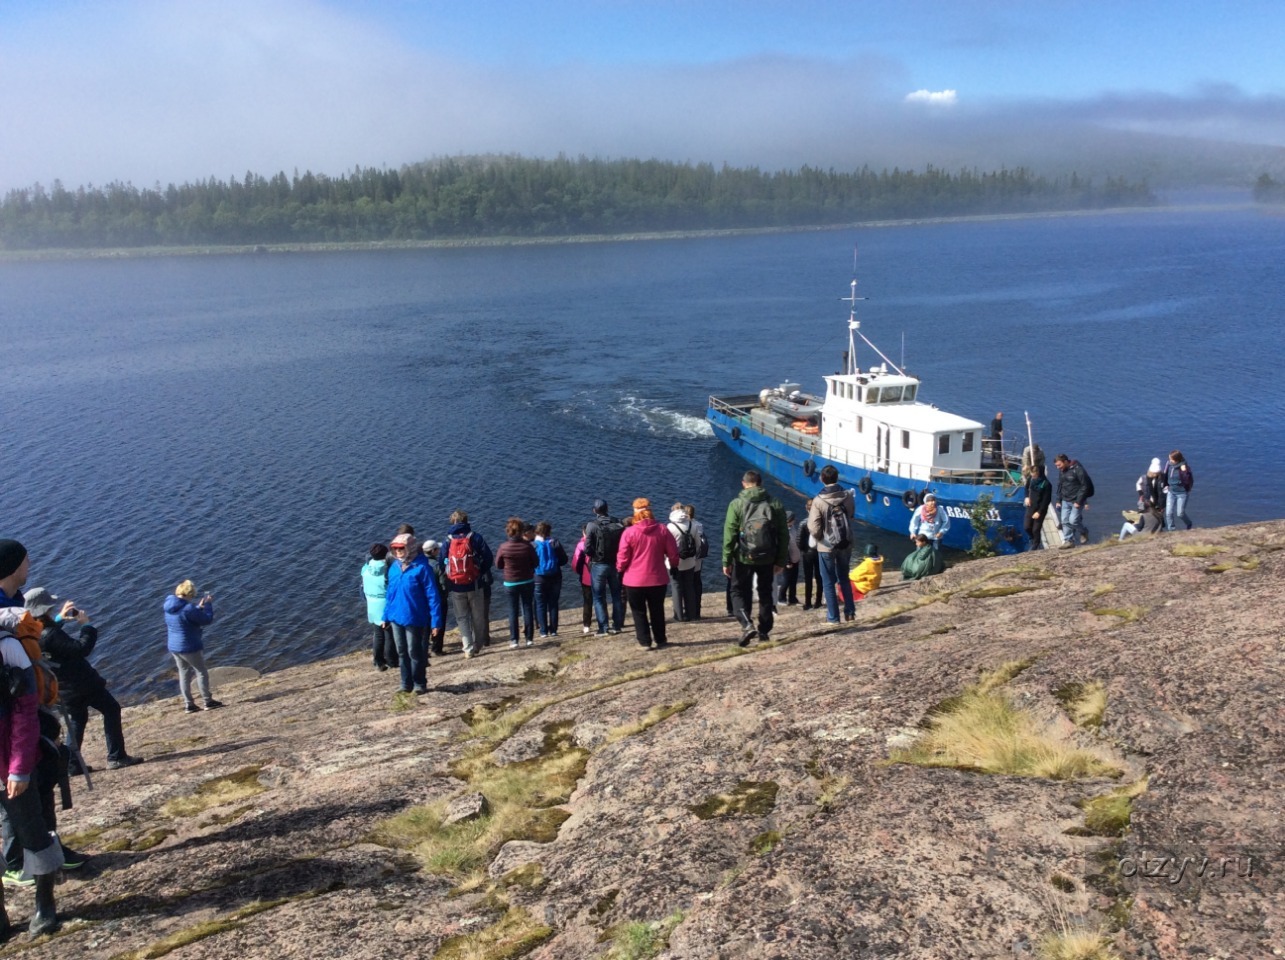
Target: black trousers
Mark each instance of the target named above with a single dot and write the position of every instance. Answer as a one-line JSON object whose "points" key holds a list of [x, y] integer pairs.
{"points": [[78, 716], [648, 607], [812, 574], [743, 590]]}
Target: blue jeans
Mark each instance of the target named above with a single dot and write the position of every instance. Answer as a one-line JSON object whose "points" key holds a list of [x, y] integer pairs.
{"points": [[835, 565], [521, 596], [412, 655], [548, 590], [606, 577], [1073, 523], [1176, 509]]}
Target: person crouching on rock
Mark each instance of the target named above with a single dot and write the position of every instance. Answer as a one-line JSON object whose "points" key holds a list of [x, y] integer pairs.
{"points": [[867, 575], [184, 622]]}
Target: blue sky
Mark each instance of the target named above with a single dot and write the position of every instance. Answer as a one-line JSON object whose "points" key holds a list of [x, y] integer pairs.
{"points": [[148, 91]]}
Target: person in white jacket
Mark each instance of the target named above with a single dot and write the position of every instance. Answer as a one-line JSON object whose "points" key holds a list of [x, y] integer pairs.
{"points": [[929, 520], [684, 580]]}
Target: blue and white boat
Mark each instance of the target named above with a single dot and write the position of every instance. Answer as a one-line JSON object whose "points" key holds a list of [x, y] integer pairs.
{"points": [[884, 441]]}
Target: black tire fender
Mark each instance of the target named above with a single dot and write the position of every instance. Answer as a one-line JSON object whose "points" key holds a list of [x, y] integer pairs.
{"points": [[736, 433], [809, 467], [866, 485], [909, 499]]}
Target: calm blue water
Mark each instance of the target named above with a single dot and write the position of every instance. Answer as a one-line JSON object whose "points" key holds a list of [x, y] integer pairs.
{"points": [[255, 422]]}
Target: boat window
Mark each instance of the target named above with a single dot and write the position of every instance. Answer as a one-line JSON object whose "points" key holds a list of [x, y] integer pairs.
{"points": [[849, 391], [891, 394], [860, 390], [968, 442], [872, 395], [905, 439], [911, 390], [860, 428], [943, 443]]}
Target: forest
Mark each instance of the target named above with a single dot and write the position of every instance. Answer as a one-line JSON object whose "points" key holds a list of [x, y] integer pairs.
{"points": [[500, 196]]}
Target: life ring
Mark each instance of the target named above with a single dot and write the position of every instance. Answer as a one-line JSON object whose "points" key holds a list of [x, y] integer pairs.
{"points": [[909, 498], [866, 485], [736, 433], [809, 467]]}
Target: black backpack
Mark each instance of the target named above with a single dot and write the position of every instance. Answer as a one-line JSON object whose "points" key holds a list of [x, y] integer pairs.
{"points": [[1088, 483], [610, 530], [758, 532], [687, 545]]}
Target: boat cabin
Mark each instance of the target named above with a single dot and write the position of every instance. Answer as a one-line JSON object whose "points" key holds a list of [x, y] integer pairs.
{"points": [[873, 420]]}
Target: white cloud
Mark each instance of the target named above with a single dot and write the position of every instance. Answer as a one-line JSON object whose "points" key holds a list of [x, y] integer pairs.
{"points": [[938, 98]]}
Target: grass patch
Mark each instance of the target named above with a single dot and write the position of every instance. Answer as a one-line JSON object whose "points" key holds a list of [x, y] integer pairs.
{"points": [[981, 730], [402, 701], [1196, 549], [153, 839], [1076, 944], [1126, 614], [983, 593], [654, 716], [750, 797], [1102, 591], [640, 940], [765, 842], [1085, 703], [514, 935], [832, 788], [1245, 563], [1063, 883], [484, 713], [208, 928], [1108, 815], [242, 784]]}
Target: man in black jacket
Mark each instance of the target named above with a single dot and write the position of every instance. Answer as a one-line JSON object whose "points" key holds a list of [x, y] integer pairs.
{"points": [[1072, 497]]}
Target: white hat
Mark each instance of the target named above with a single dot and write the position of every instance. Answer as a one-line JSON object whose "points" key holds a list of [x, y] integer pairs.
{"points": [[1155, 465]]}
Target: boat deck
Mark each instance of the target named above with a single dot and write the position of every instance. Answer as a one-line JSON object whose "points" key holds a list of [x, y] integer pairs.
{"points": [[1003, 471]]}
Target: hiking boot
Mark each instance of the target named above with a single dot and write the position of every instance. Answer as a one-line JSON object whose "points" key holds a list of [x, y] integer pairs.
{"points": [[420, 691], [612, 631], [765, 638], [76, 769], [125, 761], [72, 859], [602, 633], [381, 667], [18, 878], [747, 636], [213, 704]]}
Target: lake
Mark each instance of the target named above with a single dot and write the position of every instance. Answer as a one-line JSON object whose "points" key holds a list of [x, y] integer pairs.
{"points": [[255, 422]]}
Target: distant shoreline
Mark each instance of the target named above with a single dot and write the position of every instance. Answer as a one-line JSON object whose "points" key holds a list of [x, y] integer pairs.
{"points": [[263, 249]]}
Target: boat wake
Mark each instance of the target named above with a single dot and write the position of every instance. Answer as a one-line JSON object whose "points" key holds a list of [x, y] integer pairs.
{"points": [[631, 414]]}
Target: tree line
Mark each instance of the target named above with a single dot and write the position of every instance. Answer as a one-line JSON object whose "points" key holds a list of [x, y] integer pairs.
{"points": [[466, 197], [1267, 190]]}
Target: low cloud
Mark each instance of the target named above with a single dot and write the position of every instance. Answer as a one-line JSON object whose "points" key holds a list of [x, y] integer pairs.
{"points": [[943, 98], [161, 92]]}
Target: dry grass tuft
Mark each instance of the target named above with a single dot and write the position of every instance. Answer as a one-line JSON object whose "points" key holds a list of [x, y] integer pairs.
{"points": [[1109, 814], [1126, 614], [1196, 549], [240, 785], [1102, 591], [640, 940], [515, 934], [1076, 944], [981, 730], [1085, 703], [654, 716]]}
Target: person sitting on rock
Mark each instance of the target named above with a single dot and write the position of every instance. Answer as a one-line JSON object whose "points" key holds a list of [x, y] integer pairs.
{"points": [[925, 561]]}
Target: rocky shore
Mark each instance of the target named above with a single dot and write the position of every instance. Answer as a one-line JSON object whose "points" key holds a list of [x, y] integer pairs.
{"points": [[585, 798]]}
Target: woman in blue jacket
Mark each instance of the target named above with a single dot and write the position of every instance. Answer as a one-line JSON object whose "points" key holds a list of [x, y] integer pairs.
{"points": [[412, 606], [184, 621]]}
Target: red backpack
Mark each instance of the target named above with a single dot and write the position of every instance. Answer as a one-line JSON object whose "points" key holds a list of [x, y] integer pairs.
{"points": [[461, 561]]}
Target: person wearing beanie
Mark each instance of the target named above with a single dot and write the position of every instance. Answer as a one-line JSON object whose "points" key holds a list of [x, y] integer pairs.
{"points": [[867, 576], [647, 553], [930, 520], [14, 565]]}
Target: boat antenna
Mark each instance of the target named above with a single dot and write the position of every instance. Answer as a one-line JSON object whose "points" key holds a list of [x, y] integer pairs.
{"points": [[850, 366]]}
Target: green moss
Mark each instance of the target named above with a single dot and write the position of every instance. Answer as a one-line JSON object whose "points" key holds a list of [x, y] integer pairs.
{"points": [[514, 935], [1197, 549], [749, 797], [217, 792], [641, 940], [1108, 815], [153, 839], [1126, 614], [403, 701], [485, 712], [765, 842]]}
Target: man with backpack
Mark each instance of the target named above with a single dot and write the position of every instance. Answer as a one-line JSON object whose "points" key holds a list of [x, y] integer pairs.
{"points": [[755, 545], [1074, 487], [830, 524], [602, 541], [468, 560], [685, 578]]}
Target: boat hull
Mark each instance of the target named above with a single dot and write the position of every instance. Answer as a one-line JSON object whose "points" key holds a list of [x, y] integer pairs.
{"points": [[891, 499]]}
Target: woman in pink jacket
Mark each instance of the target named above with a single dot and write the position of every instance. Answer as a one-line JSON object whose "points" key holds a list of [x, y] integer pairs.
{"points": [[644, 548], [580, 564]]}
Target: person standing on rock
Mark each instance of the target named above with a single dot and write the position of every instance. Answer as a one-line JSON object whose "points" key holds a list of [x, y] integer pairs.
{"points": [[646, 548], [755, 550], [1178, 482], [374, 587], [516, 560], [548, 578], [930, 520], [413, 607], [580, 564], [830, 524], [184, 623], [810, 563], [1039, 497], [1073, 491], [685, 577], [468, 563], [602, 541]]}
